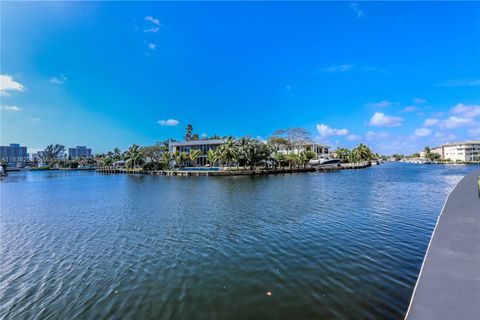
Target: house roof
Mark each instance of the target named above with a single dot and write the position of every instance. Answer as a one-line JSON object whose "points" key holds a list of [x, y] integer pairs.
{"points": [[196, 143]]}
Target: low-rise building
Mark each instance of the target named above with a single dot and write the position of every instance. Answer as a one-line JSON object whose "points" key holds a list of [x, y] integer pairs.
{"points": [[13, 154], [459, 151], [79, 152], [202, 145]]}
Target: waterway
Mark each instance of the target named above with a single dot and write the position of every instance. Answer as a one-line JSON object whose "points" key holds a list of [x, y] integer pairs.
{"points": [[345, 244]]}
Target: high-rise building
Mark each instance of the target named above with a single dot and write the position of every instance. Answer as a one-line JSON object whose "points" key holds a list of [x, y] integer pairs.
{"points": [[79, 152], [14, 153]]}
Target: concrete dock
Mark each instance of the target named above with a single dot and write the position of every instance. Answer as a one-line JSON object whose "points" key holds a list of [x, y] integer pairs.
{"points": [[448, 286]]}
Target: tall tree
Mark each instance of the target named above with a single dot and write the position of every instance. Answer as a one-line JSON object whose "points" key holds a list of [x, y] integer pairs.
{"points": [[52, 153], [243, 144], [296, 137], [133, 157], [188, 132], [228, 151], [117, 153], [278, 143], [153, 154]]}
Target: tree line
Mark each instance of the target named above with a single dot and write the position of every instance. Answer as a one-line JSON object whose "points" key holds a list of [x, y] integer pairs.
{"points": [[284, 148]]}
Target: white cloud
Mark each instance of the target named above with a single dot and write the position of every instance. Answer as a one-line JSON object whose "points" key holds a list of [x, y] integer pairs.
{"points": [[409, 109], [339, 68], [456, 122], [203, 135], [358, 12], [349, 67], [10, 108], [8, 84], [419, 100], [468, 111], [152, 46], [153, 30], [152, 20], [58, 80], [461, 83], [326, 131], [444, 137], [380, 104], [475, 132], [33, 119], [169, 122], [371, 135], [380, 119], [431, 122], [353, 137], [423, 132]]}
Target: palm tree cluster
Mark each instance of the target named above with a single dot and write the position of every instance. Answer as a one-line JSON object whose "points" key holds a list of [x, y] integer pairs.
{"points": [[244, 152], [251, 153], [357, 154]]}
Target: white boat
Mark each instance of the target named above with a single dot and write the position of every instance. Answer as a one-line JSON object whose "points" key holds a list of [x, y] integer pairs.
{"points": [[325, 162]]}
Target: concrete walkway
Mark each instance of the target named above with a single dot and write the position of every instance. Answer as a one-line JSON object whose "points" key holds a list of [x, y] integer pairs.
{"points": [[448, 286]]}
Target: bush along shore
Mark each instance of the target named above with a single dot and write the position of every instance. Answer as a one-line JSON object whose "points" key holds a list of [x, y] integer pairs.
{"points": [[190, 172], [287, 150]]}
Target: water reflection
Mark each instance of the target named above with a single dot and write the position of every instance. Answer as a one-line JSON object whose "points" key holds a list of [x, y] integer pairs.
{"points": [[329, 245]]}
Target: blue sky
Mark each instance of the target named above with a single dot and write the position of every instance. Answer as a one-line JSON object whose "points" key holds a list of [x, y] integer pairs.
{"points": [[396, 76]]}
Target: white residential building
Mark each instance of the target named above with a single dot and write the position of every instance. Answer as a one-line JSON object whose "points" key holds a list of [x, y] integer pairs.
{"points": [[459, 151], [318, 149]]}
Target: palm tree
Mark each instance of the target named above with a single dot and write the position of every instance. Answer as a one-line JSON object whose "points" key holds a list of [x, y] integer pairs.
{"points": [[188, 132], [228, 151], [133, 157], [343, 154], [243, 144], [166, 158], [107, 161], [362, 153], [193, 155], [212, 157], [180, 157], [117, 154]]}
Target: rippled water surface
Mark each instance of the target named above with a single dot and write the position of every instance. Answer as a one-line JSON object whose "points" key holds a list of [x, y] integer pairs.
{"points": [[347, 244]]}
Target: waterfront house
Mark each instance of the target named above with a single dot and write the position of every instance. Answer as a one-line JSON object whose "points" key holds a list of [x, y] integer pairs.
{"points": [[202, 145], [321, 151], [119, 164]]}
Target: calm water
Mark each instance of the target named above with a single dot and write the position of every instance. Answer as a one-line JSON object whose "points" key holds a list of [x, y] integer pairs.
{"points": [[337, 245]]}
